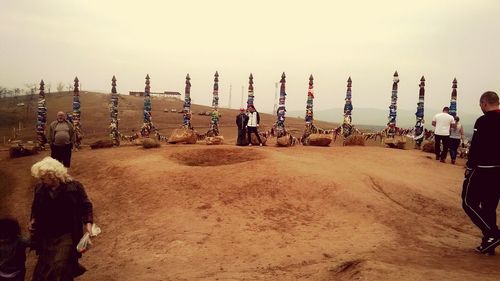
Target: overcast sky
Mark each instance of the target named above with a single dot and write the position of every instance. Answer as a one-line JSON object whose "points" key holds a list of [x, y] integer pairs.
{"points": [[56, 40]]}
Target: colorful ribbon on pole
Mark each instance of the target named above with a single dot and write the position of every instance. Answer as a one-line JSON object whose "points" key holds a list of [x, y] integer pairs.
{"points": [[347, 128], [418, 135], [393, 107], [41, 116], [453, 102], [214, 117], [147, 126], [187, 104], [113, 111], [348, 103], [280, 122], [76, 115], [310, 102], [250, 91]]}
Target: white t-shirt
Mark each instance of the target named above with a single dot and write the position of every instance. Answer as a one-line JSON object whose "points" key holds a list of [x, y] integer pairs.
{"points": [[252, 119], [443, 123]]}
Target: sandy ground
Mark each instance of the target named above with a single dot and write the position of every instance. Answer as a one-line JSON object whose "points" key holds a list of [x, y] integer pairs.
{"points": [[194, 212]]}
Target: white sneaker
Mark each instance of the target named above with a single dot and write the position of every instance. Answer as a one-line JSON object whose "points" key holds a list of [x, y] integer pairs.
{"points": [[249, 144], [260, 144]]}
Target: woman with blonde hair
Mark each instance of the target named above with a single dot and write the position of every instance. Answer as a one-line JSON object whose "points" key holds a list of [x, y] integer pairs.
{"points": [[59, 212]]}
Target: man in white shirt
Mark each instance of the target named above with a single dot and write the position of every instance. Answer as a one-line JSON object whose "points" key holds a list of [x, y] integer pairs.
{"points": [[253, 123], [442, 123]]}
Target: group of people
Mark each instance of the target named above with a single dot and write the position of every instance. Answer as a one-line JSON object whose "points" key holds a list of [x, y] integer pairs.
{"points": [[448, 135], [480, 190], [60, 214], [248, 123]]}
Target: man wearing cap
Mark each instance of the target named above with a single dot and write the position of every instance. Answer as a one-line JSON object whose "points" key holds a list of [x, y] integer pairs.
{"points": [[241, 122]]}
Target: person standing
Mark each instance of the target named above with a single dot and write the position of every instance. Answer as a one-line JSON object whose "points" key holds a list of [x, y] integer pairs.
{"points": [[253, 124], [481, 191], [61, 139], [456, 137], [60, 211], [442, 123], [241, 122]]}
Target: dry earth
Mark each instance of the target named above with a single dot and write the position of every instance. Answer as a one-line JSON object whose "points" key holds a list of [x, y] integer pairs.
{"points": [[194, 212]]}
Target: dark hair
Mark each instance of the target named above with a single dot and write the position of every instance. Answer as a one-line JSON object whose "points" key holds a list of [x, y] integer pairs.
{"points": [[457, 118], [9, 229], [446, 108], [489, 97]]}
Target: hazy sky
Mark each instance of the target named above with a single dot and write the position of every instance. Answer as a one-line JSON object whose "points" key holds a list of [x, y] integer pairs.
{"points": [[56, 40]]}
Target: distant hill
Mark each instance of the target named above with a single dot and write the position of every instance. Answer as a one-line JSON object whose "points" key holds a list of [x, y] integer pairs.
{"points": [[373, 118], [95, 115], [21, 110]]}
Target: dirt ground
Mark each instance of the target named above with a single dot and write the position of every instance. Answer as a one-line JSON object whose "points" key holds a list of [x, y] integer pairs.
{"points": [[195, 212]]}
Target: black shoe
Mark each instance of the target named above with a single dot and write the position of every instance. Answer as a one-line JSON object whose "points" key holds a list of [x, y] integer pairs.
{"points": [[79, 270], [479, 250], [489, 245]]}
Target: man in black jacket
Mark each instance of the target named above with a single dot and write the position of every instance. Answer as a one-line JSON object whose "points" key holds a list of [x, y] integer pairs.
{"points": [[481, 190], [241, 122]]}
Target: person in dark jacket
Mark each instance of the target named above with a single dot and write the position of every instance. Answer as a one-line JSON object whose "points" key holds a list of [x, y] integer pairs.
{"points": [[481, 191], [60, 211], [61, 139], [12, 251], [241, 122]]}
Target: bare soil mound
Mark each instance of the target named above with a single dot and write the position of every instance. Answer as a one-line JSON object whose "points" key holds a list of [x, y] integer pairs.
{"points": [[216, 157]]}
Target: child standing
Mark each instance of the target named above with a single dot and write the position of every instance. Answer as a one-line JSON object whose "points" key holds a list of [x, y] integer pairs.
{"points": [[12, 251]]}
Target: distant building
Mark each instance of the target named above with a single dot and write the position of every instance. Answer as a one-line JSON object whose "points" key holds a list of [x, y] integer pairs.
{"points": [[165, 94]]}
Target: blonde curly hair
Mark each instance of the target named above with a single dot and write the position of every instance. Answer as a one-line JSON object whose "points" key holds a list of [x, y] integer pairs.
{"points": [[50, 166]]}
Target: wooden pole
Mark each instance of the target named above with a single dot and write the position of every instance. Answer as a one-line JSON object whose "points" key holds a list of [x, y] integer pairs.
{"points": [[242, 95], [230, 92]]}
